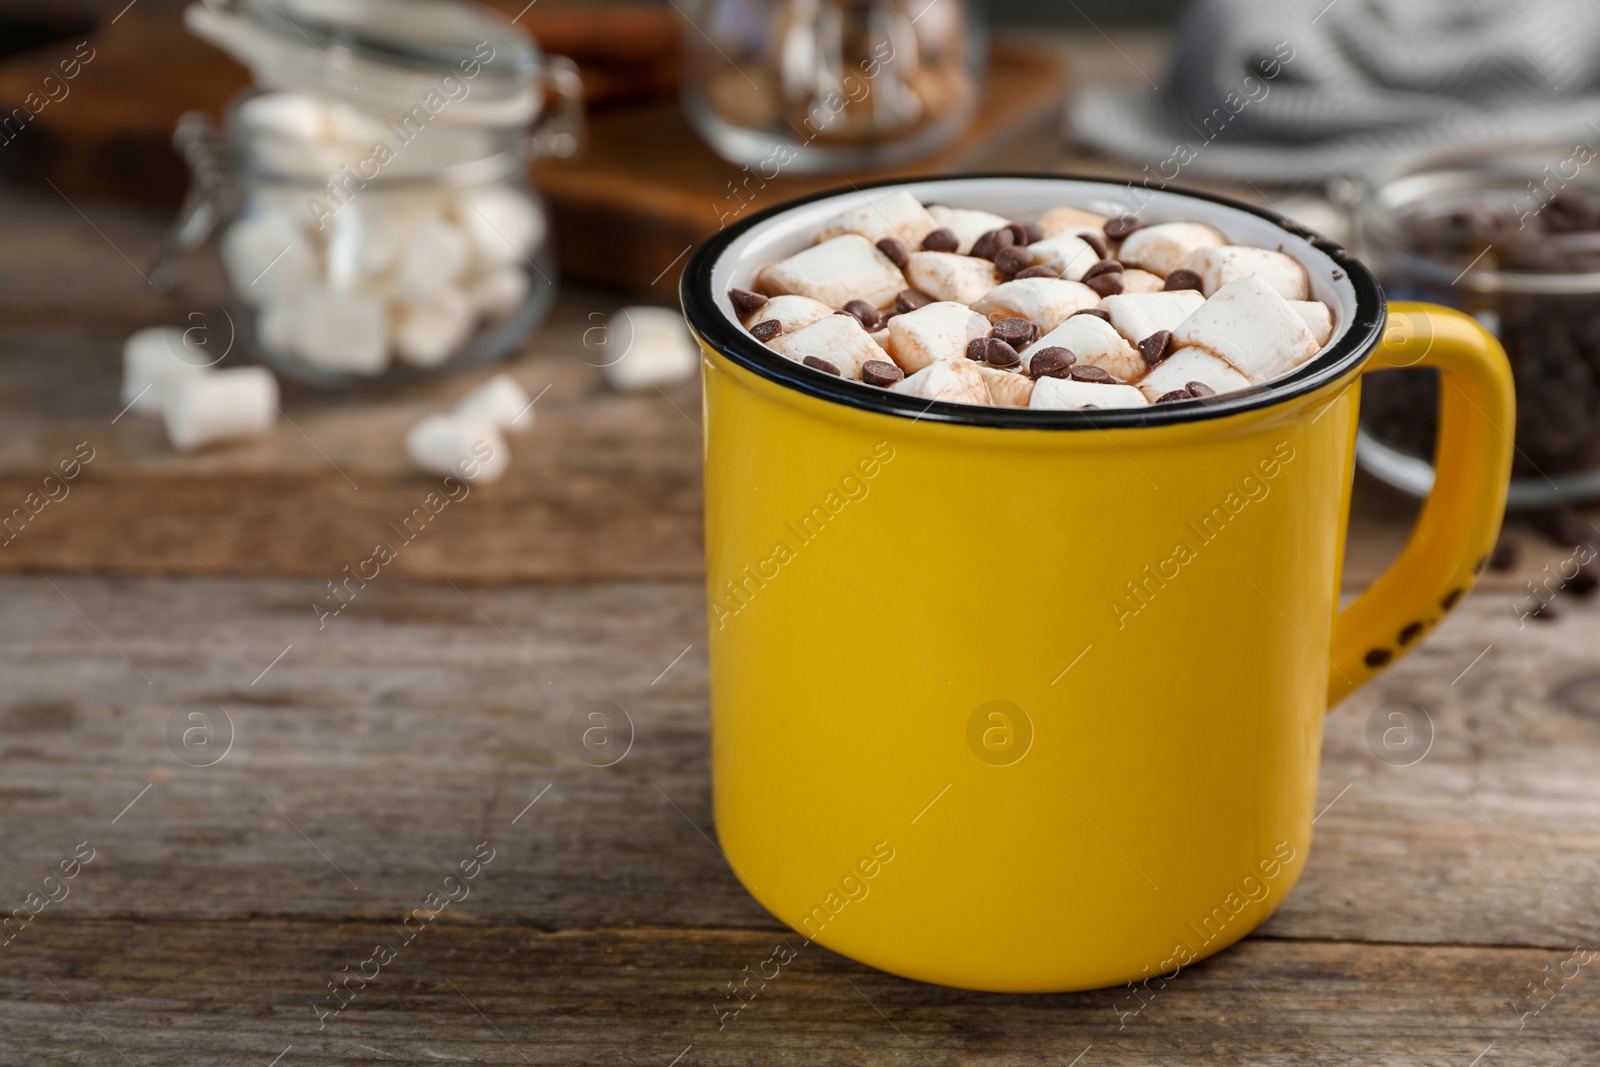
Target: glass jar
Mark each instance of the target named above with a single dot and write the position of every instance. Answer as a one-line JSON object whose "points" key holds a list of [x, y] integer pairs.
{"points": [[812, 86], [368, 200], [1513, 240]]}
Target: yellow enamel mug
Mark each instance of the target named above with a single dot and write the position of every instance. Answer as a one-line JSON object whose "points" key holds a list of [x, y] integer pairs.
{"points": [[1032, 701]]}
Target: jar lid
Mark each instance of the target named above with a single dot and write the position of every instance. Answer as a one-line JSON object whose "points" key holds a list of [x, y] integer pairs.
{"points": [[384, 56]]}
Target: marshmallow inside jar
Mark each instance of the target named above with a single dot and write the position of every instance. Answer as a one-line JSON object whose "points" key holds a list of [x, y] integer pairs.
{"points": [[1283, 300]]}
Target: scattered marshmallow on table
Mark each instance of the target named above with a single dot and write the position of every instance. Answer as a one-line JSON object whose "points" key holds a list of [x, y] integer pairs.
{"points": [[220, 406], [502, 401], [470, 448], [153, 360], [649, 346]]}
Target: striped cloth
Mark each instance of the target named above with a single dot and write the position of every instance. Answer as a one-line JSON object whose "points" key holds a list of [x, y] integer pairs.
{"points": [[1292, 92]]}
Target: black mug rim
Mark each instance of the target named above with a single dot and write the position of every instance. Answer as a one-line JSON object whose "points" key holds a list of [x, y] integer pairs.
{"points": [[730, 341]]}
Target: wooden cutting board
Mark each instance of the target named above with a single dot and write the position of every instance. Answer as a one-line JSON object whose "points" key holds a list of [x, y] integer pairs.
{"points": [[644, 191]]}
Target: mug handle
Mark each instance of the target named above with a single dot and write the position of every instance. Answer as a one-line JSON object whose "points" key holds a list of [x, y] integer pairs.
{"points": [[1461, 517]]}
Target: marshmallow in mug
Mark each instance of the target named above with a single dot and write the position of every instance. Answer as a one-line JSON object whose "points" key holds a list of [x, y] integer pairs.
{"points": [[1071, 311]]}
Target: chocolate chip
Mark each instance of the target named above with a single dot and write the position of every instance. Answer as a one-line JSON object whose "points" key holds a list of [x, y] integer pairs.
{"points": [[820, 364], [978, 348], [1409, 632], [745, 302], [1585, 582], [895, 251], [1104, 266], [1012, 259], [1504, 556], [1156, 348], [943, 239], [766, 331], [1099, 313], [870, 317], [988, 245], [1016, 332], [1378, 657], [1199, 390], [1090, 373], [1451, 598], [907, 300], [1019, 233], [1035, 272], [1052, 362], [1184, 278], [1094, 241], [1174, 396], [1000, 354], [1106, 284], [881, 372], [1034, 233], [1546, 611], [1119, 228]]}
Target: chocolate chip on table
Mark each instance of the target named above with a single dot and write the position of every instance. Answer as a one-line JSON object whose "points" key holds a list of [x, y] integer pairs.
{"points": [[1156, 348], [907, 300], [1035, 272], [895, 251], [1094, 241], [1104, 266], [1120, 228], [1012, 259], [1184, 278], [820, 364], [1034, 233], [766, 331], [870, 317], [1016, 332], [1091, 373], [1106, 284], [1174, 396], [1199, 390], [881, 372], [1099, 313], [1052, 362], [989, 244], [943, 239], [744, 301], [1000, 354]]}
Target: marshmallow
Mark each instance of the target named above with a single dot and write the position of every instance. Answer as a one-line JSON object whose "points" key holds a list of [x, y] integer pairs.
{"points": [[220, 406], [1060, 220], [837, 339], [835, 272], [503, 225], [896, 214], [435, 258], [1138, 315], [1045, 302], [934, 333], [1219, 266], [1071, 256], [1191, 365], [881, 339], [1007, 388], [955, 382], [1068, 393], [948, 276], [1095, 343], [1252, 327], [1318, 317], [455, 445], [500, 292], [427, 334], [501, 401], [154, 360], [656, 348], [267, 255], [1135, 280], [341, 331], [967, 225], [278, 325], [1163, 248], [789, 312]]}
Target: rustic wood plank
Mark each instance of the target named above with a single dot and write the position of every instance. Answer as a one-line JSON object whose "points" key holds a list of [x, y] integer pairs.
{"points": [[245, 992], [411, 724]]}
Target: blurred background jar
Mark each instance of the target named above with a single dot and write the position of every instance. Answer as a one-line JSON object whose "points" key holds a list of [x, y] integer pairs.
{"points": [[815, 86], [368, 200], [1513, 240]]}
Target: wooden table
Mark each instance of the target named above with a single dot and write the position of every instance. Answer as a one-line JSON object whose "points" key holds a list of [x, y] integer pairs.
{"points": [[371, 756]]}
